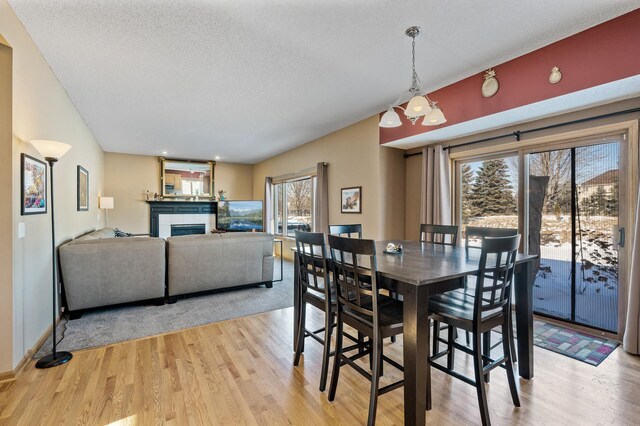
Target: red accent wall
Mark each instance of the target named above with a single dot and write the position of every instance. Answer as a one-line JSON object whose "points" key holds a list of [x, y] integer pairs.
{"points": [[602, 54]]}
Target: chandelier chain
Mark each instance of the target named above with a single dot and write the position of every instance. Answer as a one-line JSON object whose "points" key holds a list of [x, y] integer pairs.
{"points": [[415, 86]]}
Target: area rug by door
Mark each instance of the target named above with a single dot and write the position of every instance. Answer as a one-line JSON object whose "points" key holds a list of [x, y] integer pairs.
{"points": [[111, 325], [583, 347]]}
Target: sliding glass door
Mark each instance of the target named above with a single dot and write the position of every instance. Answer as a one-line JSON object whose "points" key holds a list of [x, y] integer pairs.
{"points": [[567, 201], [573, 217]]}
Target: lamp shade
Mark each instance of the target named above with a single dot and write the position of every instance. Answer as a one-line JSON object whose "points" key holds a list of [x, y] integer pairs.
{"points": [[417, 107], [390, 119], [106, 203], [435, 117], [50, 149]]}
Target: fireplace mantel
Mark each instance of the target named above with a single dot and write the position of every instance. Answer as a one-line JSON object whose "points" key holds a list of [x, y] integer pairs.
{"points": [[159, 207]]}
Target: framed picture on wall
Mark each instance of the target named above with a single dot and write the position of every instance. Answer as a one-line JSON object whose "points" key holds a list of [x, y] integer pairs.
{"points": [[83, 189], [351, 200], [33, 189]]}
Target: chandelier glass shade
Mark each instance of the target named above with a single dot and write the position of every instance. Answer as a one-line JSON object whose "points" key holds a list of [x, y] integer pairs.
{"points": [[390, 119], [420, 105], [435, 117]]}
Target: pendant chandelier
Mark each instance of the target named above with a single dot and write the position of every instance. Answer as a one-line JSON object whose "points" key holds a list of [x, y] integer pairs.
{"points": [[420, 105]]}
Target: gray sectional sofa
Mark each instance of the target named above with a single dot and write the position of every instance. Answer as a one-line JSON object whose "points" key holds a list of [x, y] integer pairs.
{"points": [[99, 269], [197, 263]]}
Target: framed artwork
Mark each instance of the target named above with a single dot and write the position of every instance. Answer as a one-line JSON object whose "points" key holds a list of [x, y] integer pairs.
{"points": [[33, 189], [351, 200], [83, 189]]}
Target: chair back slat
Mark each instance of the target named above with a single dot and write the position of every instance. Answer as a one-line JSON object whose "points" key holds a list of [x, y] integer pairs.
{"points": [[350, 231], [356, 284], [313, 273], [495, 275], [472, 233], [438, 234]]}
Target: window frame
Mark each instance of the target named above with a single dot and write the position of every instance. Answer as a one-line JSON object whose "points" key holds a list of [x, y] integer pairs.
{"points": [[283, 203]]}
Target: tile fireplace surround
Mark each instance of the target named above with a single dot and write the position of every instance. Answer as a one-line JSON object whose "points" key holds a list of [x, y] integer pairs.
{"points": [[165, 213]]}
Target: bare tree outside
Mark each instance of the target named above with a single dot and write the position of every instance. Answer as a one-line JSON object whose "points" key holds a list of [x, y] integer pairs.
{"points": [[299, 198]]}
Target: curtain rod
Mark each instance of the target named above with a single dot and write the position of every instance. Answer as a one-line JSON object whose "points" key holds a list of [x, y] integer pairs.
{"points": [[519, 133]]}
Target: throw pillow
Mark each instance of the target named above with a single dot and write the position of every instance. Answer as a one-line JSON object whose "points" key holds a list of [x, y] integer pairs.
{"points": [[120, 233]]}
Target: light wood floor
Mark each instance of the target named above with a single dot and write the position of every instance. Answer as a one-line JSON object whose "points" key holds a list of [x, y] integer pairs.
{"points": [[240, 371]]}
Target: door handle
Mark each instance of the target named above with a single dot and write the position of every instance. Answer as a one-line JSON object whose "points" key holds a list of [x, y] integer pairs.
{"points": [[621, 238]]}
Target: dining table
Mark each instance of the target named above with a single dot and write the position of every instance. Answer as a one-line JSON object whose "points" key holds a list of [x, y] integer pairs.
{"points": [[421, 270]]}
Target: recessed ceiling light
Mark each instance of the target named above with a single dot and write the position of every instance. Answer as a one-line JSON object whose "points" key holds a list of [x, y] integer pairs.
{"points": [[217, 157], [164, 152]]}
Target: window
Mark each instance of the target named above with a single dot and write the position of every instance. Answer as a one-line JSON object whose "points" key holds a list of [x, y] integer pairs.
{"points": [[572, 218], [488, 194], [293, 206]]}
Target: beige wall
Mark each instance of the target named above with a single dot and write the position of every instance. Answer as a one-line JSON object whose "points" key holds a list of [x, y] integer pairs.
{"points": [[391, 220], [414, 164], [128, 177], [236, 179], [42, 110], [355, 159], [6, 249]]}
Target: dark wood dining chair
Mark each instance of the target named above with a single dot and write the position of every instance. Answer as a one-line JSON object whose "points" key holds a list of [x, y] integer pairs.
{"points": [[350, 231], [489, 308], [438, 234], [316, 290], [353, 231], [446, 235], [362, 307], [474, 235]]}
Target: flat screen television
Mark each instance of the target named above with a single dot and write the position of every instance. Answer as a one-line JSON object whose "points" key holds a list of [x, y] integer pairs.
{"points": [[239, 216]]}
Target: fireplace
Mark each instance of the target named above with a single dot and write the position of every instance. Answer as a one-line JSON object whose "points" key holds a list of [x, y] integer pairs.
{"points": [[188, 229], [165, 213]]}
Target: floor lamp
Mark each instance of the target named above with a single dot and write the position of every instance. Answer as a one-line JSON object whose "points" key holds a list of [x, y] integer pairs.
{"points": [[52, 151]]}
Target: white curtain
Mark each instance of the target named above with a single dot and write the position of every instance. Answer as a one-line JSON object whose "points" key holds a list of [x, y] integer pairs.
{"points": [[321, 200], [436, 187], [631, 341], [268, 205]]}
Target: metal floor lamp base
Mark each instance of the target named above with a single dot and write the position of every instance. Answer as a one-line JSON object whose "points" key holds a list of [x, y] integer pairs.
{"points": [[54, 359]]}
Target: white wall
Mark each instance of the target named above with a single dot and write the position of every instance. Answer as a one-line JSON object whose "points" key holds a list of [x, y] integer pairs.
{"points": [[42, 110]]}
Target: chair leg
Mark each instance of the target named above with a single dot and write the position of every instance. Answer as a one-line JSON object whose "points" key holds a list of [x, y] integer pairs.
{"points": [[436, 334], [480, 386], [326, 353], [393, 339], [486, 350], [301, 333], [375, 378], [512, 342], [450, 349], [511, 375], [337, 360]]}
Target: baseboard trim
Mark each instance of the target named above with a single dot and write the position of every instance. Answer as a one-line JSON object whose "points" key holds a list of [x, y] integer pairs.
{"points": [[8, 376]]}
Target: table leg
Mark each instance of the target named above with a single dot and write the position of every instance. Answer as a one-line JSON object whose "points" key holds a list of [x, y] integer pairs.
{"points": [[417, 374], [296, 301], [524, 319]]}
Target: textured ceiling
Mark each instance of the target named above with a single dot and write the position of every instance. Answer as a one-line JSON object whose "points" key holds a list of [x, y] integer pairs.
{"points": [[248, 79]]}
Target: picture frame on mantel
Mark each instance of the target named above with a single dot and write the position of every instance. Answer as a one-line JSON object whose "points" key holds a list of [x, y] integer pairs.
{"points": [[33, 186], [83, 189], [351, 200]]}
